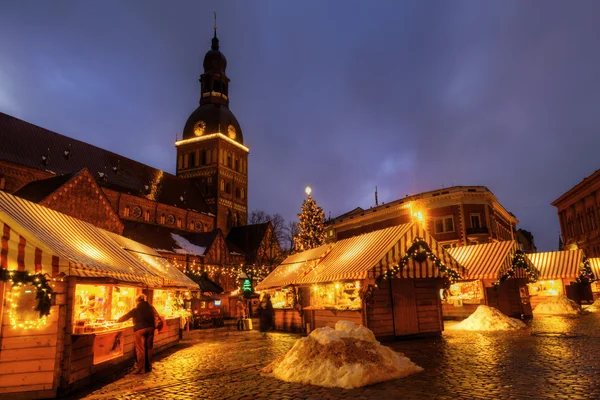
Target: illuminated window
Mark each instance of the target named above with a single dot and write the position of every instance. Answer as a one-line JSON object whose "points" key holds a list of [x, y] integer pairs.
{"points": [[222, 185], [147, 216], [126, 211], [162, 219], [179, 222], [21, 307]]}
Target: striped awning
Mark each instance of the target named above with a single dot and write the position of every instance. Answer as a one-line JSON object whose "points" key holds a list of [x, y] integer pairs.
{"points": [[370, 254], [154, 262], [487, 260], [294, 266], [558, 264], [35, 238], [595, 266]]}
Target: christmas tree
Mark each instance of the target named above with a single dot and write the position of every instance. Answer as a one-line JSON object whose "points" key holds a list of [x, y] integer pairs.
{"points": [[311, 225]]}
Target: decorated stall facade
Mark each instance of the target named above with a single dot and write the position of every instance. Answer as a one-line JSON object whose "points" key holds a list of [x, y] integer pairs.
{"points": [[498, 274], [387, 280], [594, 264], [64, 284], [561, 273], [287, 298]]}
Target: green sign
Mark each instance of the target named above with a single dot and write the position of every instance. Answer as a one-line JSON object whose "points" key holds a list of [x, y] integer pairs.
{"points": [[247, 285]]}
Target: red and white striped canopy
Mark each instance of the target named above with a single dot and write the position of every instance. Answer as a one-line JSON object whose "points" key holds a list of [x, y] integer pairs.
{"points": [[558, 264], [595, 266], [372, 253], [487, 260], [37, 239], [294, 266]]}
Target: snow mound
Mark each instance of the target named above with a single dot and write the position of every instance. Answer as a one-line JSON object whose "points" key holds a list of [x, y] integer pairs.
{"points": [[560, 304], [595, 307], [489, 319], [347, 357]]}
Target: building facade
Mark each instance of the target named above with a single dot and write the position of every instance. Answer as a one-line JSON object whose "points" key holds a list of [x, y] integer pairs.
{"points": [[579, 216], [455, 216]]}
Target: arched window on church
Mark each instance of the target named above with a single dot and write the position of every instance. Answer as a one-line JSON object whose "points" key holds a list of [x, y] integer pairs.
{"points": [[191, 226], [243, 194], [222, 185], [192, 160], [235, 219], [237, 192], [229, 159], [186, 160], [147, 216], [202, 157], [179, 222], [208, 160], [237, 164], [228, 188], [228, 221], [162, 219], [180, 162], [126, 211]]}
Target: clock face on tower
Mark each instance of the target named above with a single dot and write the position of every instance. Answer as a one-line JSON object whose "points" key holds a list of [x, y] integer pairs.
{"points": [[199, 128], [231, 132]]}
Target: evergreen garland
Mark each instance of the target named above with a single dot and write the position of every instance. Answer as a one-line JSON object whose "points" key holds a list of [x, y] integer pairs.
{"points": [[519, 261], [585, 272], [419, 251], [39, 281], [311, 226]]}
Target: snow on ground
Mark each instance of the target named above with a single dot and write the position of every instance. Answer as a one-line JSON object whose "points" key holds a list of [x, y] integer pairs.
{"points": [[186, 246], [347, 357], [489, 319], [595, 307], [560, 304]]}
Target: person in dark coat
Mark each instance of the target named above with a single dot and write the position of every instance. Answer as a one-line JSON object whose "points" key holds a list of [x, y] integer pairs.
{"points": [[143, 331], [265, 314]]}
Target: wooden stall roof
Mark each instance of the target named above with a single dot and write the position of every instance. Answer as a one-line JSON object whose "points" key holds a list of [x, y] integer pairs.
{"points": [[558, 264], [294, 267], [487, 260], [161, 267], [595, 266], [372, 253], [37, 239]]}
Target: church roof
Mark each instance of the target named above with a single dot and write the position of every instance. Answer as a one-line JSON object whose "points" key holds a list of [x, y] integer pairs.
{"points": [[38, 148], [247, 238], [37, 191]]}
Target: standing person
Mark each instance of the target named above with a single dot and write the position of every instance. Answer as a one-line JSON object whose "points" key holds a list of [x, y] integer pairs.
{"points": [[143, 331], [265, 314], [241, 314]]}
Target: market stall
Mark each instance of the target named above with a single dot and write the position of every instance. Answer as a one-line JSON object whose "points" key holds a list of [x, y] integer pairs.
{"points": [[595, 267], [79, 281], [286, 298], [497, 276], [387, 280], [559, 273]]}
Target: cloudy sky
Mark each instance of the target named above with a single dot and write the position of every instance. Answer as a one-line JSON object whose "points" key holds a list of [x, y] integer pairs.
{"points": [[339, 95]]}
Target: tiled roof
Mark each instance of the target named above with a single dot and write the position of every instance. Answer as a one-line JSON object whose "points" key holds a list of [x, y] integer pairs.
{"points": [[26, 144], [37, 191], [247, 238]]}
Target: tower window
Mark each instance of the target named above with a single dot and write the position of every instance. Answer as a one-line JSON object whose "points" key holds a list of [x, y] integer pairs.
{"points": [[192, 159], [475, 221], [228, 188], [186, 161], [180, 162], [222, 184], [237, 164], [208, 156], [237, 192], [229, 160], [243, 195], [217, 87]]}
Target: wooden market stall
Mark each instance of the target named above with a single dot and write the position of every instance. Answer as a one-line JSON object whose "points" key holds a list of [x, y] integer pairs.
{"points": [[559, 271], [387, 280], [286, 298], [595, 267], [497, 276], [64, 283]]}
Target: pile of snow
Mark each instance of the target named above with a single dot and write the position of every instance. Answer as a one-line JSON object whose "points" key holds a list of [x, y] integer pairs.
{"points": [[595, 307], [560, 304], [489, 319], [347, 357]]}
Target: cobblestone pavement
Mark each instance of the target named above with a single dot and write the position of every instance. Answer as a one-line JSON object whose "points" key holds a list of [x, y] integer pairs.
{"points": [[555, 358]]}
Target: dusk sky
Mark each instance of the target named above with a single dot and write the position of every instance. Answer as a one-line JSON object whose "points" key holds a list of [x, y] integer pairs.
{"points": [[339, 95]]}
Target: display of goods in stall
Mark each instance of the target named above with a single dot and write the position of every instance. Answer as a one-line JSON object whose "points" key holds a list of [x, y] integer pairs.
{"points": [[546, 288], [283, 298], [98, 307], [336, 296], [463, 292], [559, 305], [489, 319], [170, 304], [347, 357]]}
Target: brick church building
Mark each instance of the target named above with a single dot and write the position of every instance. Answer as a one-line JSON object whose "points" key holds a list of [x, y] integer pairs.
{"points": [[197, 217]]}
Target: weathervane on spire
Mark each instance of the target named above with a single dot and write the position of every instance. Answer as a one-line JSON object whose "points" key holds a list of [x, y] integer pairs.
{"points": [[215, 13]]}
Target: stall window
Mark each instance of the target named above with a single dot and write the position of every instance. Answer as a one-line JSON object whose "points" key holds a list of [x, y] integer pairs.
{"points": [[546, 288], [21, 303], [459, 293], [97, 307], [338, 295]]}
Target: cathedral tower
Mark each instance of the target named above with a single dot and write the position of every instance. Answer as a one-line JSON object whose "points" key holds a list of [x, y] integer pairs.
{"points": [[212, 150]]}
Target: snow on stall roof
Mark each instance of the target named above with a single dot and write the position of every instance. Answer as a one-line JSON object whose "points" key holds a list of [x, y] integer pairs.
{"points": [[347, 357], [558, 305], [186, 246], [488, 319]]}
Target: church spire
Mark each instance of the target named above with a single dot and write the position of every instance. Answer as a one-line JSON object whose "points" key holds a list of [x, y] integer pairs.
{"points": [[215, 40]]}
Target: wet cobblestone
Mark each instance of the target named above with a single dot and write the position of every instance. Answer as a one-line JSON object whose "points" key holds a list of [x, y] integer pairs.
{"points": [[555, 358]]}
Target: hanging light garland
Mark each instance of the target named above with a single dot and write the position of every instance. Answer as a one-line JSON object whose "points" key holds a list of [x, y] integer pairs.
{"points": [[519, 261], [40, 284], [419, 251]]}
